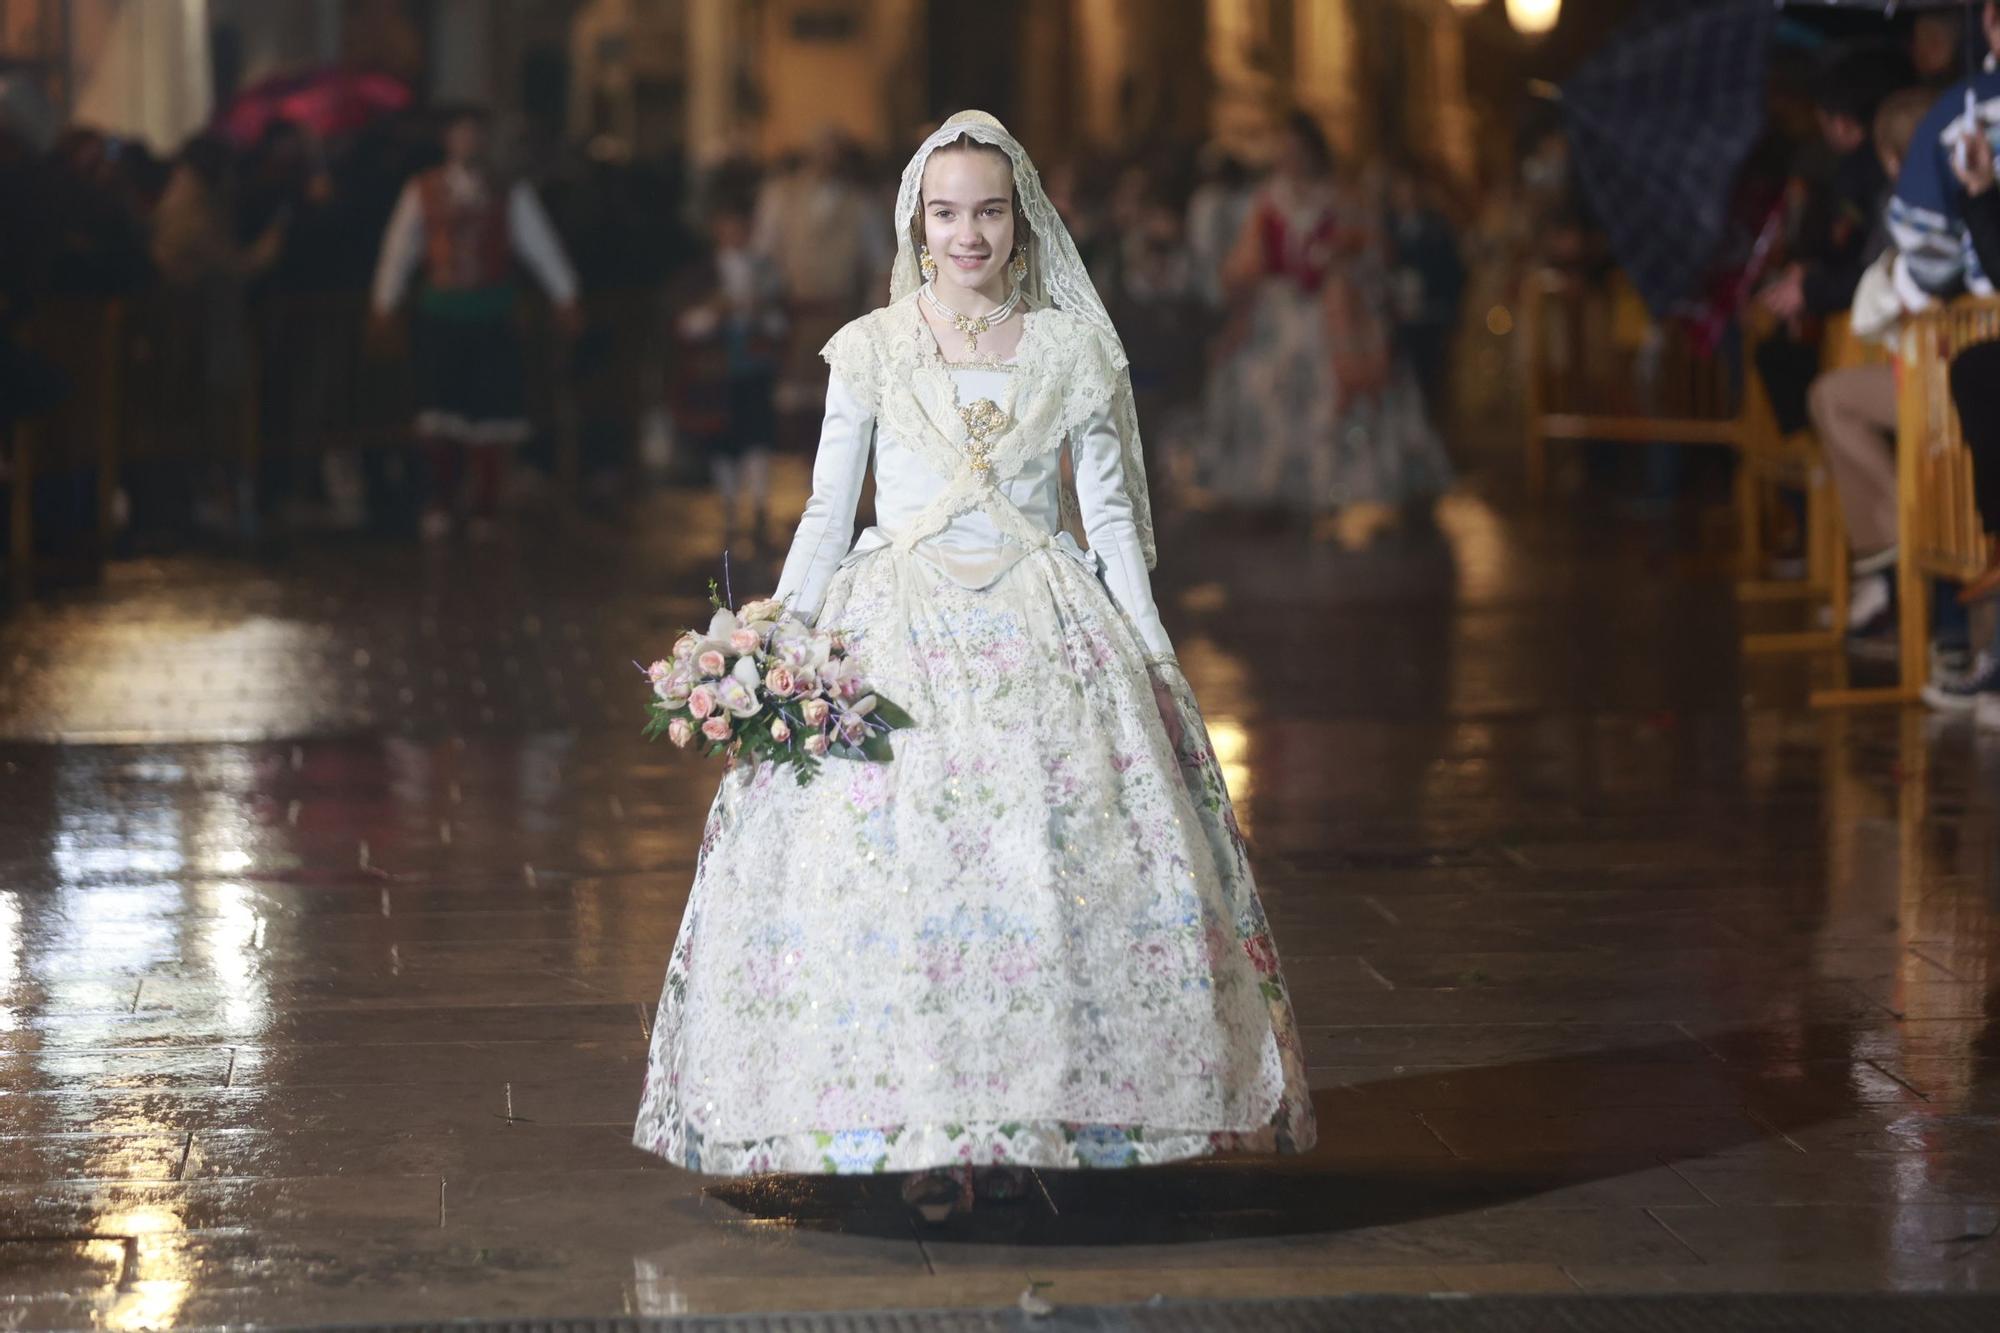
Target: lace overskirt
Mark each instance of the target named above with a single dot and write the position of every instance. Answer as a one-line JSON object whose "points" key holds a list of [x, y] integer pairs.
{"points": [[1031, 938]]}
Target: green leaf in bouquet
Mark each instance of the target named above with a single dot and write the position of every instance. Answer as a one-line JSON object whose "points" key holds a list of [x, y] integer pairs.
{"points": [[892, 713], [876, 749]]}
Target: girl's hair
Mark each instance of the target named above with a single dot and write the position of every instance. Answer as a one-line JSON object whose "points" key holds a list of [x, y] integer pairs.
{"points": [[1024, 234], [1897, 119]]}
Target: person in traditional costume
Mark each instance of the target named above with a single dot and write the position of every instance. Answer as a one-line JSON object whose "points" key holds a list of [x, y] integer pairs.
{"points": [[1031, 939], [463, 227], [1310, 408]]}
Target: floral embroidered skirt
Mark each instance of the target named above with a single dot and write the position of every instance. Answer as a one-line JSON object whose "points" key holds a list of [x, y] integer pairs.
{"points": [[1032, 938]]}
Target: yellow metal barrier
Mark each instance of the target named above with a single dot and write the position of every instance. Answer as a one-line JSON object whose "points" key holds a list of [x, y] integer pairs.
{"points": [[1938, 530], [1589, 378], [1772, 461], [1584, 382]]}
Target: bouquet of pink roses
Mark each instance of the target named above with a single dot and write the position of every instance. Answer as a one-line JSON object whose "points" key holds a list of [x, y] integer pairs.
{"points": [[761, 682]]}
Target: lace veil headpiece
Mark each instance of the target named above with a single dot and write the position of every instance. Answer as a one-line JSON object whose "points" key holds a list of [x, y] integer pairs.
{"points": [[1056, 277]]}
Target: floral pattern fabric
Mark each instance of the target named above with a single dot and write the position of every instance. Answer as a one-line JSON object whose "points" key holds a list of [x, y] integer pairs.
{"points": [[1031, 938]]}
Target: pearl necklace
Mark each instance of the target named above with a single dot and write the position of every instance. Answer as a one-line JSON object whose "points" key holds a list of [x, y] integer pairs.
{"points": [[973, 325]]}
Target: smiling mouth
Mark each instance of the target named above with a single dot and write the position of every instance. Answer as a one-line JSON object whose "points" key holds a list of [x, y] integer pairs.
{"points": [[968, 261]]}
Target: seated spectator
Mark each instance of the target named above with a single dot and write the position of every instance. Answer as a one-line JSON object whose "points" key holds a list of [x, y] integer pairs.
{"points": [[1935, 41], [1937, 259], [1975, 374], [1840, 231], [1853, 411]]}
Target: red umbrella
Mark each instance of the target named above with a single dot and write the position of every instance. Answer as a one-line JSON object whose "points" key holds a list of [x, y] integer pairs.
{"points": [[327, 102]]}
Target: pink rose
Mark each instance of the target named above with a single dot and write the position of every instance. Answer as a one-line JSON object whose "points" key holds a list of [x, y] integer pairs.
{"points": [[815, 744], [779, 680], [659, 671], [781, 731], [680, 731], [814, 711], [745, 641], [716, 728], [711, 663], [684, 647], [672, 689], [701, 700]]}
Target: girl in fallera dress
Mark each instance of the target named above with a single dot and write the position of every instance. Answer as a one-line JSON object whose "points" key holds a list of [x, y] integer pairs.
{"points": [[1031, 939], [1310, 408]]}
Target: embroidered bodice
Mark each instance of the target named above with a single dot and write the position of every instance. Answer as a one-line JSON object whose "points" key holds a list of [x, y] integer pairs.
{"points": [[968, 460]]}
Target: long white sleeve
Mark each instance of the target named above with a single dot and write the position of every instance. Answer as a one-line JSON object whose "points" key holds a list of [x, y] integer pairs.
{"points": [[534, 239], [827, 527], [402, 250], [1098, 461]]}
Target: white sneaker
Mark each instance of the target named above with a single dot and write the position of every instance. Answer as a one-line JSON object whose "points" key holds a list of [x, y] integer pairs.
{"points": [[1969, 691], [1868, 602]]}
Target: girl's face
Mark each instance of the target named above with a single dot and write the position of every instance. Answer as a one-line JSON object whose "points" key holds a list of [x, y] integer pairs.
{"points": [[969, 219]]}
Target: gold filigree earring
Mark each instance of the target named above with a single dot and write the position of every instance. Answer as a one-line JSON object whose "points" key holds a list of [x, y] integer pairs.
{"points": [[926, 263], [1018, 265]]}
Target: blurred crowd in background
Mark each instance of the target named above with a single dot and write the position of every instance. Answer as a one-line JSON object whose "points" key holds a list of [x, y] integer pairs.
{"points": [[702, 298], [1307, 331]]}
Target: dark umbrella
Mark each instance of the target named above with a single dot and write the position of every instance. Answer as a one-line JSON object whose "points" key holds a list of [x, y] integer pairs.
{"points": [[1660, 122], [327, 102]]}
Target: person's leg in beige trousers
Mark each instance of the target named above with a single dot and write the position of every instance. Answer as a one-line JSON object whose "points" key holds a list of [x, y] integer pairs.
{"points": [[1854, 413]]}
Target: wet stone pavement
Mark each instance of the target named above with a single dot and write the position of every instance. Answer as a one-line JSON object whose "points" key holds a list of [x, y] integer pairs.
{"points": [[336, 891]]}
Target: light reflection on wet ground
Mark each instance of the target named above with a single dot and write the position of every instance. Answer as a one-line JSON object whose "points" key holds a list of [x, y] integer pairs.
{"points": [[329, 937]]}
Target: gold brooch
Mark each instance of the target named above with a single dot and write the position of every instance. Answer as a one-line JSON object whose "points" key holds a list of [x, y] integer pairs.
{"points": [[983, 422]]}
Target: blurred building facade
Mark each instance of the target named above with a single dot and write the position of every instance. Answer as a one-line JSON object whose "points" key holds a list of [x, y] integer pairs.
{"points": [[639, 78]]}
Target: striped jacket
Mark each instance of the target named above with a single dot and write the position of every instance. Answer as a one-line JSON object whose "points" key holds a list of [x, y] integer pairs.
{"points": [[1935, 258]]}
